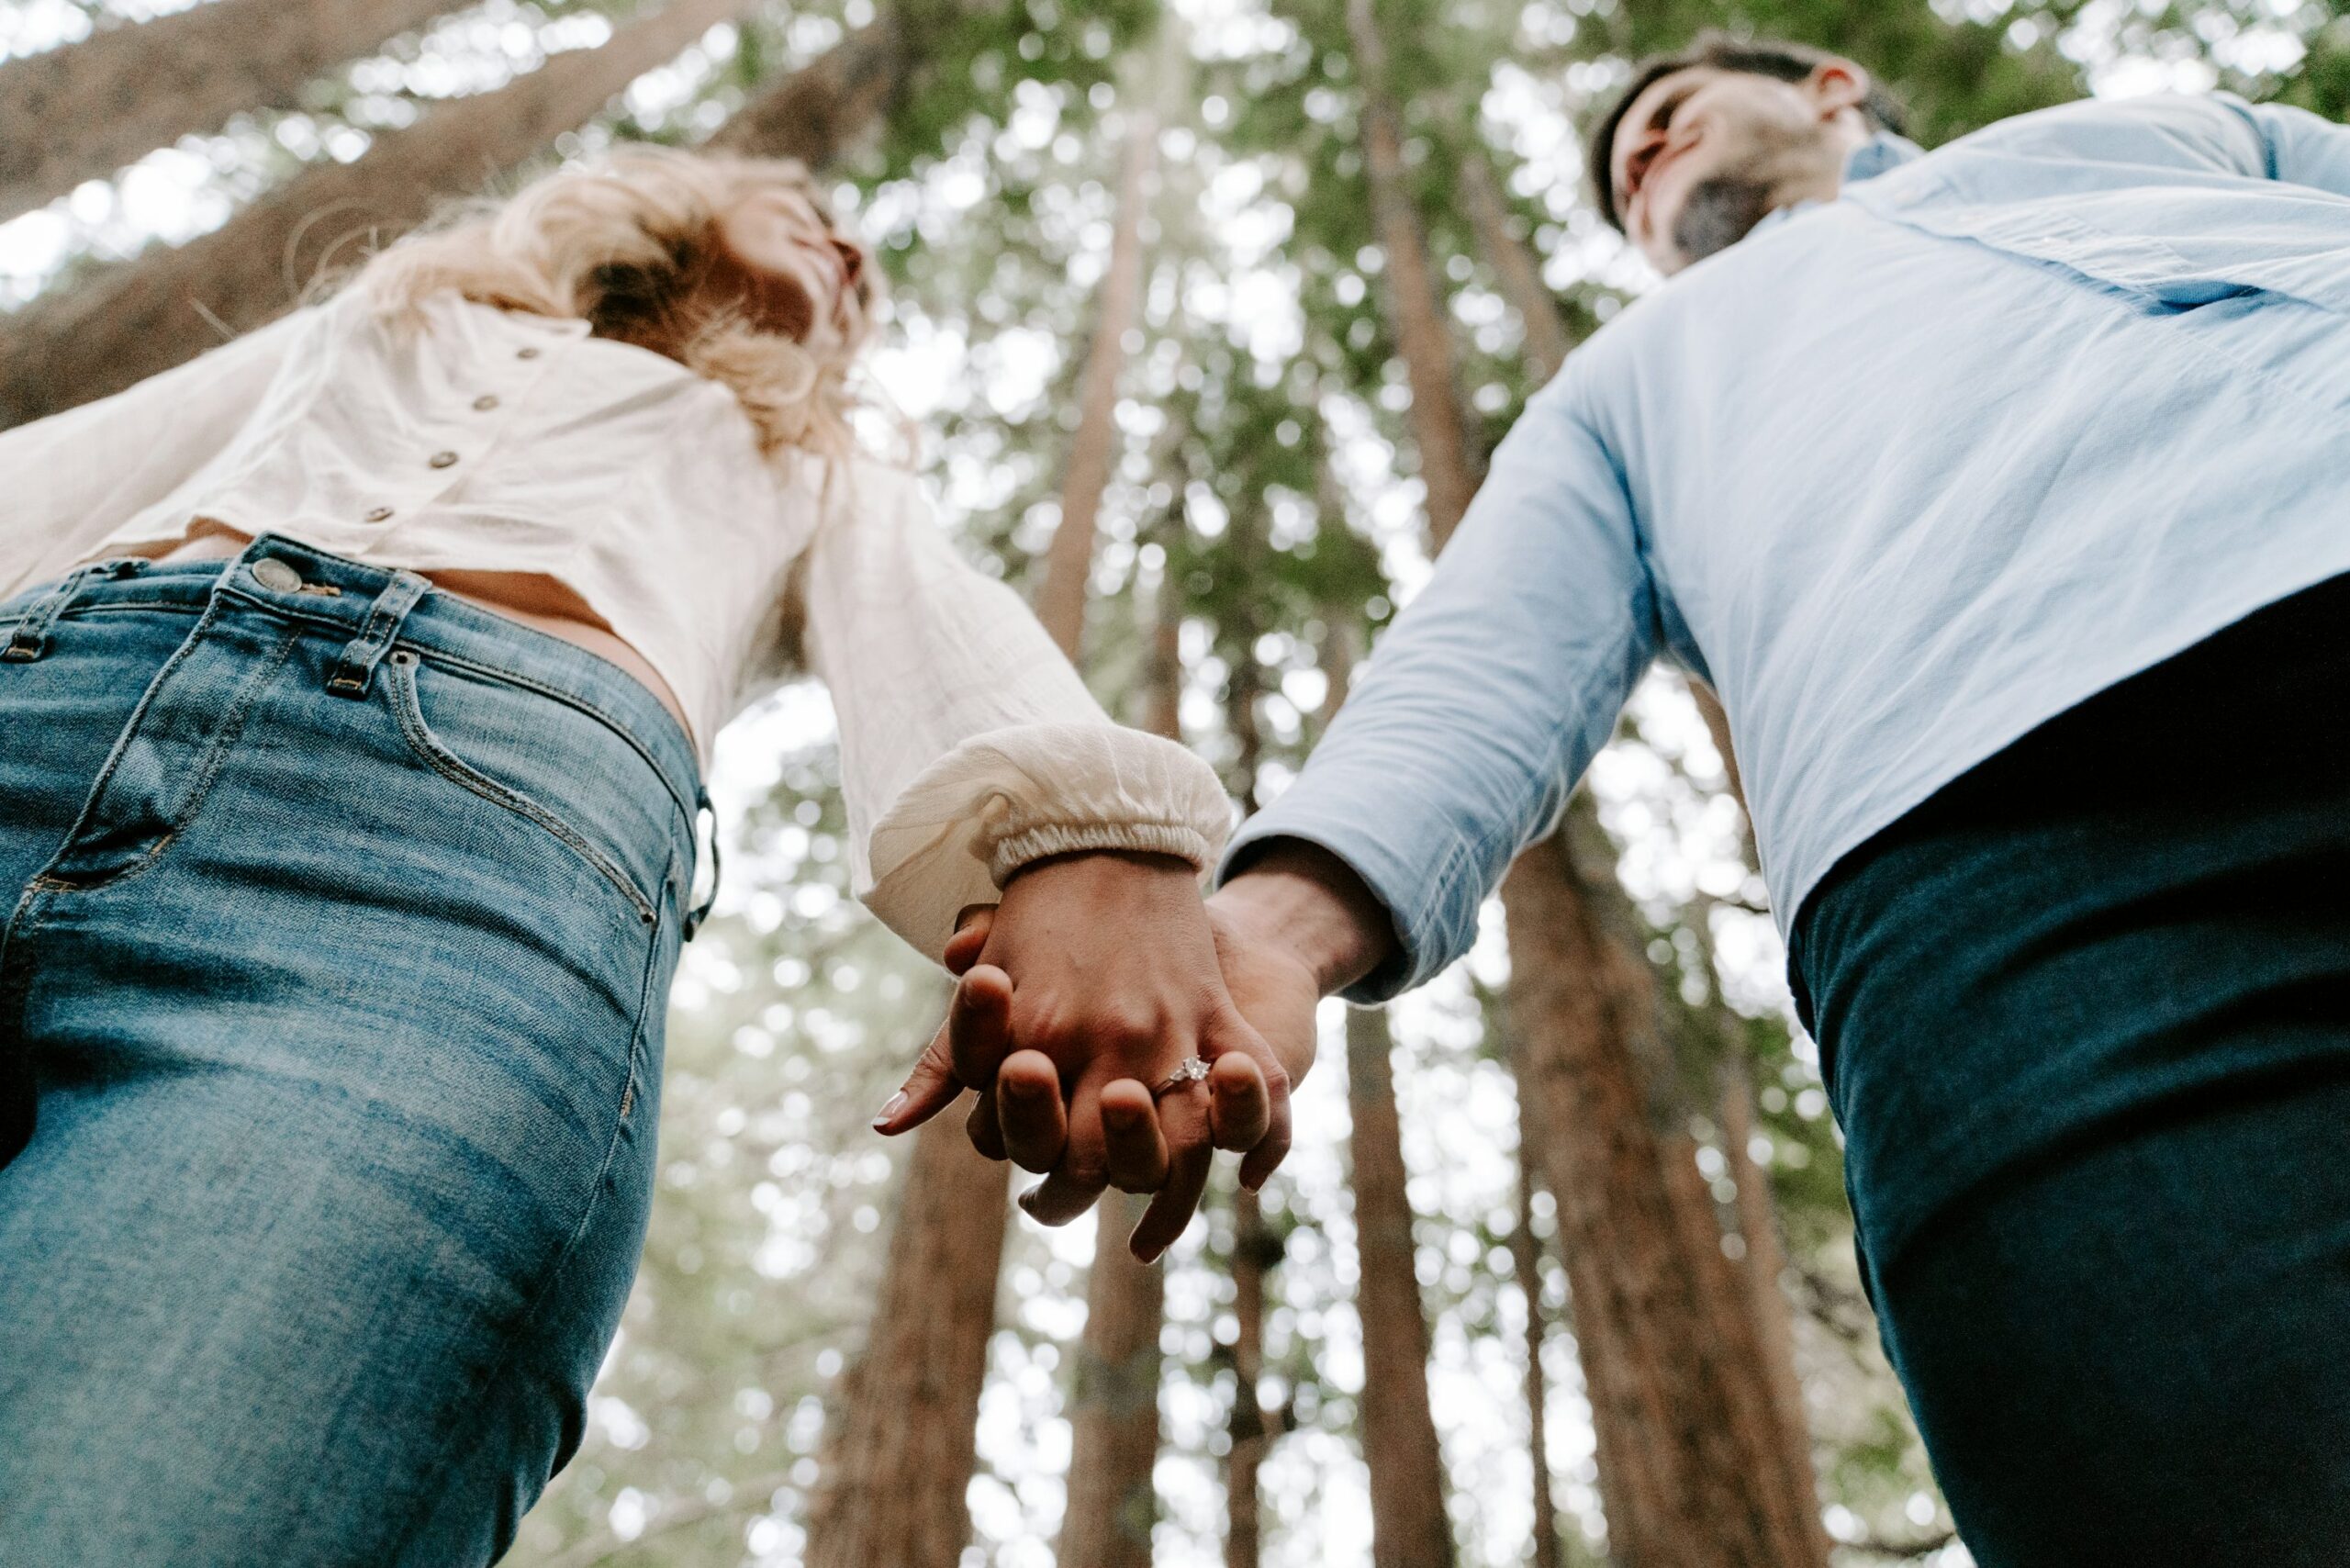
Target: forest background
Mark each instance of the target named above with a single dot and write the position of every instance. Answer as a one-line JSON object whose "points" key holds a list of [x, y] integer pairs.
{"points": [[1205, 315]]}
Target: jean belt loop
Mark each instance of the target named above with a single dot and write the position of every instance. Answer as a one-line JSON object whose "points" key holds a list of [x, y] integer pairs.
{"points": [[29, 639], [700, 912], [364, 652]]}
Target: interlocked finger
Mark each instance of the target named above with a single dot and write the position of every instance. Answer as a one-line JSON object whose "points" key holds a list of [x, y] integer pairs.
{"points": [[1136, 1153], [1183, 1122]]}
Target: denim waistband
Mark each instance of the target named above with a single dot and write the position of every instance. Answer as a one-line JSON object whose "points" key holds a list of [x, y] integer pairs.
{"points": [[376, 610]]}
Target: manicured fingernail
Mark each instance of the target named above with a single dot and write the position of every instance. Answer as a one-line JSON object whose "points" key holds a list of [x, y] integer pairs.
{"points": [[881, 1117]]}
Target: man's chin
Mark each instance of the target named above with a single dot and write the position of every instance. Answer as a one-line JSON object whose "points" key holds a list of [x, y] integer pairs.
{"points": [[1718, 212]]}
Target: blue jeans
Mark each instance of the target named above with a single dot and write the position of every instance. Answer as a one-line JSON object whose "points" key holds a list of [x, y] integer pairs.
{"points": [[341, 915], [2085, 1019]]}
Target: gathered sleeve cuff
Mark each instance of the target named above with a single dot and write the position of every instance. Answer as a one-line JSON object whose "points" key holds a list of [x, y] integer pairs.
{"points": [[956, 833]]}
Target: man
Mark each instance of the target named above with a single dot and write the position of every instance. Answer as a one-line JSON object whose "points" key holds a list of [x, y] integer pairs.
{"points": [[2003, 492]]}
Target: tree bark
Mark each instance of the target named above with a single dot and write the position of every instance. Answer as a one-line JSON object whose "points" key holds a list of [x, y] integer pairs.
{"points": [[1543, 326], [1696, 1468], [81, 112], [174, 303], [1525, 1256], [1764, 1266], [1093, 450], [1702, 1457], [818, 112], [1113, 1408], [1414, 306], [900, 1453], [1255, 1250], [1408, 1525]]}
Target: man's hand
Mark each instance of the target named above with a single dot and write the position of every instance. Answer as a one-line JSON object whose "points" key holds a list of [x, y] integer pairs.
{"points": [[1092, 982], [1298, 925]]}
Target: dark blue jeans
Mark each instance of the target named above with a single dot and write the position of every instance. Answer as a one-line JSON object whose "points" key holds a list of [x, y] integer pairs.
{"points": [[340, 917], [2086, 1021]]}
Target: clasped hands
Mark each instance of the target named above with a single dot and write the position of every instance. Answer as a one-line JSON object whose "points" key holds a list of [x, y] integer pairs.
{"points": [[1096, 977]]}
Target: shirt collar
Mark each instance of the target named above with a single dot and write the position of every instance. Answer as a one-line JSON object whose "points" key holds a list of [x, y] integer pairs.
{"points": [[1880, 152]]}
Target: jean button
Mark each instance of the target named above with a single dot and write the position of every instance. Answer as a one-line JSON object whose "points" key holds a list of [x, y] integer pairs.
{"points": [[277, 574]]}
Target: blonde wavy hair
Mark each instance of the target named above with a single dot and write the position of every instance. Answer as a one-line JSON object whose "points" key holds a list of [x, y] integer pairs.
{"points": [[633, 243]]}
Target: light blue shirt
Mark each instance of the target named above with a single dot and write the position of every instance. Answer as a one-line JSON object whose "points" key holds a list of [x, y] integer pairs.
{"points": [[1903, 475]]}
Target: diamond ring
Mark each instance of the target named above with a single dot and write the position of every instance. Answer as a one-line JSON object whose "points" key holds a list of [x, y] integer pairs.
{"points": [[1193, 1069]]}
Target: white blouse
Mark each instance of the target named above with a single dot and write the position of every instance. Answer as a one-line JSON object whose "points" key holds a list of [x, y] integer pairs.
{"points": [[500, 442]]}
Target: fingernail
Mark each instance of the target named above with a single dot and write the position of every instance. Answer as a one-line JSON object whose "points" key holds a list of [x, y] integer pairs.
{"points": [[881, 1117]]}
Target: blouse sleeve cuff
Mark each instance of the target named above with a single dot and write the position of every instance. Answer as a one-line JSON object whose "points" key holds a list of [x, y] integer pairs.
{"points": [[958, 833]]}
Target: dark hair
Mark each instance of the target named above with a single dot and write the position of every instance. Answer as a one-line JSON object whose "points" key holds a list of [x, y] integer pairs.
{"points": [[1722, 51]]}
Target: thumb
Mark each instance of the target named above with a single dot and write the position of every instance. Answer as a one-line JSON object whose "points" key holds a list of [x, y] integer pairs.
{"points": [[965, 1051], [970, 938], [928, 1090]]}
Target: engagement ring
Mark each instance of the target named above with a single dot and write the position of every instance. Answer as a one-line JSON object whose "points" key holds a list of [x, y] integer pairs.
{"points": [[1195, 1070]]}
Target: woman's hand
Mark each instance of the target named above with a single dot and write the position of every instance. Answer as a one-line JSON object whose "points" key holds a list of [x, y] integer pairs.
{"points": [[1097, 976]]}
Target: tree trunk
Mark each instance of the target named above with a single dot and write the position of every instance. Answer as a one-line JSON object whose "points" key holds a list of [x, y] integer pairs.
{"points": [[1114, 1408], [900, 1453], [1255, 1250], [816, 112], [1702, 1459], [172, 304], [1415, 308], [1408, 1525], [1093, 450], [1544, 327], [1695, 1470], [81, 112], [1765, 1263], [1525, 1256]]}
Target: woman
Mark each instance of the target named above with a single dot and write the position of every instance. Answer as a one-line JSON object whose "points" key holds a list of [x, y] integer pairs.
{"points": [[355, 680]]}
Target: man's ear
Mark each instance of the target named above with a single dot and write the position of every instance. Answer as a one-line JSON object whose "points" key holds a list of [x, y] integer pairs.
{"points": [[1835, 86]]}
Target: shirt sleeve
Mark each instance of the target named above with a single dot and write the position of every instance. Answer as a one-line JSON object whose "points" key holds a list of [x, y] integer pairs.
{"points": [[1486, 700], [75, 477], [969, 746]]}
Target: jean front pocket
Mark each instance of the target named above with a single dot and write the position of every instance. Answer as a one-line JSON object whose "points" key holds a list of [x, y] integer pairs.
{"points": [[407, 702]]}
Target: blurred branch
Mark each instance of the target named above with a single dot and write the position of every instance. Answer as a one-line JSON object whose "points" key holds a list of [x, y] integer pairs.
{"points": [[1843, 1312]]}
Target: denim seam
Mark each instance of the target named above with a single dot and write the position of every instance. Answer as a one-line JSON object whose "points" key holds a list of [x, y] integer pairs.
{"points": [[209, 767], [621, 1124], [409, 711], [555, 693]]}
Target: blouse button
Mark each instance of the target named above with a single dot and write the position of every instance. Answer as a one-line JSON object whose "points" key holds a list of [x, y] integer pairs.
{"points": [[485, 402], [377, 514], [526, 354], [443, 459]]}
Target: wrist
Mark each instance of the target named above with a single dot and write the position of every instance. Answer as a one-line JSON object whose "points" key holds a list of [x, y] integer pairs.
{"points": [[1305, 901]]}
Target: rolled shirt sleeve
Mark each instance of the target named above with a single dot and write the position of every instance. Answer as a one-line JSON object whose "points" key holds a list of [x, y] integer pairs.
{"points": [[1487, 697], [969, 746]]}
